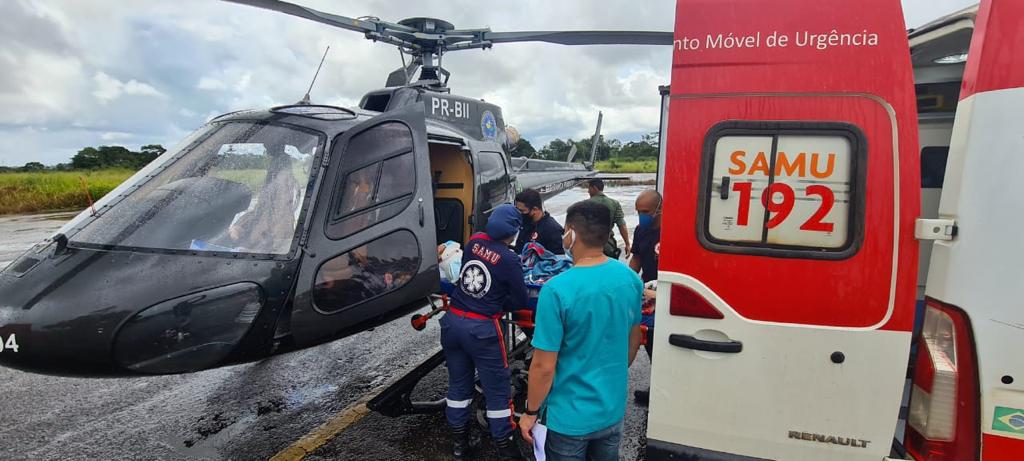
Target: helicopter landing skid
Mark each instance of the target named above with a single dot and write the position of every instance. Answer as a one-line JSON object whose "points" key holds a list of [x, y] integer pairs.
{"points": [[396, 399]]}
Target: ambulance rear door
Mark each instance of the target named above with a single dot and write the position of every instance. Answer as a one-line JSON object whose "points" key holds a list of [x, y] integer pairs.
{"points": [[967, 397], [787, 285]]}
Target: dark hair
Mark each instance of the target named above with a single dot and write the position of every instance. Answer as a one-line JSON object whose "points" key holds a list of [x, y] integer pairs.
{"points": [[591, 221], [530, 198], [597, 183]]}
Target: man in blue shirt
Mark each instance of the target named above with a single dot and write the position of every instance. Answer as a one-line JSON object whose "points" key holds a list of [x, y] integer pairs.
{"points": [[587, 333], [491, 282], [644, 260]]}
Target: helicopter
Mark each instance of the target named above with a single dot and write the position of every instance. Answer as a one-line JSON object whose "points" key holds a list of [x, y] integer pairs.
{"points": [[267, 231]]}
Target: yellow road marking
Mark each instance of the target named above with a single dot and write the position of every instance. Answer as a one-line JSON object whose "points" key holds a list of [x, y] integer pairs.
{"points": [[327, 431]]}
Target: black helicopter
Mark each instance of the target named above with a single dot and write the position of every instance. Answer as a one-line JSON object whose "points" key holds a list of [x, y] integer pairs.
{"points": [[267, 231]]}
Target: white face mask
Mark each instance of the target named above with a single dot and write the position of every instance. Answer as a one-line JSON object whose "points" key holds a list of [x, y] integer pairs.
{"points": [[572, 240]]}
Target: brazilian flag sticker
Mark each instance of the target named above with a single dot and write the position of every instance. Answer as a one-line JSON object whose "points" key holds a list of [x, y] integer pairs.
{"points": [[1008, 420]]}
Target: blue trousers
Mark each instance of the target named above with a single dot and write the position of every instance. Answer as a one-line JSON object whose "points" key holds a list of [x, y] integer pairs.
{"points": [[602, 445], [477, 345]]}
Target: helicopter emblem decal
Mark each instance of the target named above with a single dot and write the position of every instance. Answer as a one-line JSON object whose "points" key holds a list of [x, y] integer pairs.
{"points": [[488, 125], [475, 279]]}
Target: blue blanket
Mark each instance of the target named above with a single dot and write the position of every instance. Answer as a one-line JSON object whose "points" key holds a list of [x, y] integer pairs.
{"points": [[539, 264]]}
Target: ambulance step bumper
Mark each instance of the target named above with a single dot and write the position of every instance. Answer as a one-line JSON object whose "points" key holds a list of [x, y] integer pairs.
{"points": [[663, 451]]}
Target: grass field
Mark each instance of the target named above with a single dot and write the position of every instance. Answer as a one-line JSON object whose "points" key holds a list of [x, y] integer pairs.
{"points": [[630, 166], [55, 190]]}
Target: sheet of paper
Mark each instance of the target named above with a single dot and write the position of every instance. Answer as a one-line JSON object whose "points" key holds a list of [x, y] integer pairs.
{"points": [[539, 433]]}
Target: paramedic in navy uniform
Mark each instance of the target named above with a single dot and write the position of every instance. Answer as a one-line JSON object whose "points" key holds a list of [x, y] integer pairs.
{"points": [[538, 225], [491, 282]]}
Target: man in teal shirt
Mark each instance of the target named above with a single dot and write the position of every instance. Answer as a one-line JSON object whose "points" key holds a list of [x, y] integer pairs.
{"points": [[587, 333]]}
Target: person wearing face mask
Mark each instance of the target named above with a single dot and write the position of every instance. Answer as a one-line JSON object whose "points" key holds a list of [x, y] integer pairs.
{"points": [[644, 260], [538, 225], [587, 333], [490, 283]]}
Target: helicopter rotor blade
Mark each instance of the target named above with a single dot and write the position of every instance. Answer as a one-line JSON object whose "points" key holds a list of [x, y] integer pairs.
{"points": [[583, 37], [356, 25]]}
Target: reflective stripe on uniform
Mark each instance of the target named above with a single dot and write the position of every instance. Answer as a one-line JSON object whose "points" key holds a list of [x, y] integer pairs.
{"points": [[458, 403], [499, 413]]}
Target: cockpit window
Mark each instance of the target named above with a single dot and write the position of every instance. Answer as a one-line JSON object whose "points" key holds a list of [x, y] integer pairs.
{"points": [[239, 190]]}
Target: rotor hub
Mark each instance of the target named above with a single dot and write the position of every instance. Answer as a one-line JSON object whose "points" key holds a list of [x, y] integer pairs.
{"points": [[428, 25]]}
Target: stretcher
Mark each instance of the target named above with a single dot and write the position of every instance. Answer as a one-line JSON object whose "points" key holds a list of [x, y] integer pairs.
{"points": [[397, 399]]}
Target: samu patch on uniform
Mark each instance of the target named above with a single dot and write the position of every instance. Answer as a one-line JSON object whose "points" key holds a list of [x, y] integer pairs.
{"points": [[1010, 420]]}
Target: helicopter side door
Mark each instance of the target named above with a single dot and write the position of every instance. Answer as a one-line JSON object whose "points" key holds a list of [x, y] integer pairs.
{"points": [[493, 183], [371, 245]]}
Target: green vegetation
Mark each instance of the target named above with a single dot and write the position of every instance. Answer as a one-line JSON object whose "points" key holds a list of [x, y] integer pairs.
{"points": [[628, 166], [35, 187], [30, 192], [612, 155]]}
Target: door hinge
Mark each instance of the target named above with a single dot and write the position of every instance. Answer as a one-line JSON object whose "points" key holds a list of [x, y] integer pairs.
{"points": [[935, 229]]}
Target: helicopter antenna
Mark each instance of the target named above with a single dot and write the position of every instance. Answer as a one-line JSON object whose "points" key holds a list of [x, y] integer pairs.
{"points": [[305, 99]]}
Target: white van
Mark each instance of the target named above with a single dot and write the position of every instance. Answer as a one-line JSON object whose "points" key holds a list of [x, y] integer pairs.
{"points": [[788, 298]]}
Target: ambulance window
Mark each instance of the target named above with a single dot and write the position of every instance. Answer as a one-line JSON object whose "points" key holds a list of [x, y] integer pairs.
{"points": [[782, 188], [933, 166], [366, 272]]}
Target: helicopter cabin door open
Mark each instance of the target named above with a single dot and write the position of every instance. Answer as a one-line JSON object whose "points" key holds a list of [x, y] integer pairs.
{"points": [[371, 249], [453, 186], [786, 288]]}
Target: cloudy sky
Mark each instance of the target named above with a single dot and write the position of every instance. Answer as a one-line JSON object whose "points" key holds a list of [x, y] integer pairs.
{"points": [[76, 73]]}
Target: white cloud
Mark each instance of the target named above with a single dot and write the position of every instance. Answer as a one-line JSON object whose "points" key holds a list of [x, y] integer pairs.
{"points": [[156, 70], [116, 136], [109, 88], [210, 83]]}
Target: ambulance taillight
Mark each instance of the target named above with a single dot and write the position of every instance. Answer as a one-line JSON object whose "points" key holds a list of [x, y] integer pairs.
{"points": [[943, 421], [685, 303]]}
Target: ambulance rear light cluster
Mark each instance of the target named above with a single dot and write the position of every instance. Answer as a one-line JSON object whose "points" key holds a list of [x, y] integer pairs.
{"points": [[943, 422], [686, 303]]}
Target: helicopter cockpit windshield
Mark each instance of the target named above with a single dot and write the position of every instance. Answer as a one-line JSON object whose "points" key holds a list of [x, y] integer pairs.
{"points": [[240, 189]]}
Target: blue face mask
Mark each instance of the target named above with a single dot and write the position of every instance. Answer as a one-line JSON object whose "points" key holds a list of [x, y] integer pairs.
{"points": [[646, 220]]}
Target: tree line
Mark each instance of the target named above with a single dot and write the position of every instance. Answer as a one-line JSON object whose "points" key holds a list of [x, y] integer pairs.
{"points": [[558, 149], [99, 158], [120, 157]]}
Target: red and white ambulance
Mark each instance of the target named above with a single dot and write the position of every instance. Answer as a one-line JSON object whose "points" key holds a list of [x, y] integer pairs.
{"points": [[793, 180]]}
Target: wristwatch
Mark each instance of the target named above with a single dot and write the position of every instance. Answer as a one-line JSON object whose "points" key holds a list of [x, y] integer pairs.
{"points": [[527, 411]]}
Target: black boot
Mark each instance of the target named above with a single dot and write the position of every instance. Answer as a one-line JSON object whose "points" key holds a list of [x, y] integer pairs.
{"points": [[508, 450], [460, 443]]}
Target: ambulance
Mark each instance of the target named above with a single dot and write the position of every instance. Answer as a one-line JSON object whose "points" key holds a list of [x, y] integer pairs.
{"points": [[841, 194]]}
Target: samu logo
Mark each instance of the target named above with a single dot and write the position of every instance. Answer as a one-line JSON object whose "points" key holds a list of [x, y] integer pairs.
{"points": [[475, 279]]}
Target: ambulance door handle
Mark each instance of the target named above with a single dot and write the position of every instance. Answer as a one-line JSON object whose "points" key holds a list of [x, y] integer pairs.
{"points": [[724, 192], [689, 342], [422, 218]]}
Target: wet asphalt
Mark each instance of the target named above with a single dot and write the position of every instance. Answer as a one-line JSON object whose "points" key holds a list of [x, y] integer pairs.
{"points": [[251, 411]]}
